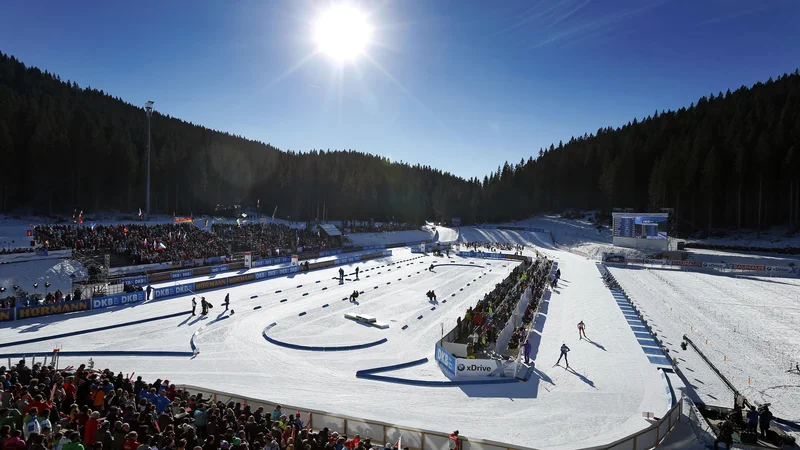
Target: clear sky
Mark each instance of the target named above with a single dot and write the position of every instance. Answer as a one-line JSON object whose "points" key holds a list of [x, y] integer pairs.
{"points": [[462, 85]]}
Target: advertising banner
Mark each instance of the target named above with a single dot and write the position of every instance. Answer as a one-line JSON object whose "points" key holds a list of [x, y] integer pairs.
{"points": [[325, 253], [170, 291], [658, 262], [305, 256], [156, 277], [185, 273], [6, 314], [210, 284], [715, 265], [476, 368], [272, 261], [222, 268], [242, 279], [277, 272], [447, 360], [676, 262], [320, 265], [749, 267], [201, 271], [49, 310], [135, 281], [374, 247], [117, 299], [183, 220]]}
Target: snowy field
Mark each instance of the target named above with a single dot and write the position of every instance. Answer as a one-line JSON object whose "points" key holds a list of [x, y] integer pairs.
{"points": [[751, 324], [588, 405]]}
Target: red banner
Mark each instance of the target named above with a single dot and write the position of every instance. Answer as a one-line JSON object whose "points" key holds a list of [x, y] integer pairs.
{"points": [[183, 219], [747, 267], [687, 263]]}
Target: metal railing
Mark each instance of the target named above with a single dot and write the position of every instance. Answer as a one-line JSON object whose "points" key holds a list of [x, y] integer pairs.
{"points": [[419, 439]]}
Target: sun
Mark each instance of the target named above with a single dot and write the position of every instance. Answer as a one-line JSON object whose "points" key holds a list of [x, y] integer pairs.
{"points": [[342, 32]]}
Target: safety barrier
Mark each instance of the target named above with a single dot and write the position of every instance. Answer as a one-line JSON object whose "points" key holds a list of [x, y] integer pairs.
{"points": [[698, 266], [422, 439], [370, 374]]}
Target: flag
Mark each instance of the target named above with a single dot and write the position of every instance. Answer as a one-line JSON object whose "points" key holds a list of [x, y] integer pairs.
{"points": [[74, 211], [80, 218], [238, 222], [258, 204], [145, 242], [273, 213], [140, 213], [206, 223], [91, 226], [170, 235], [161, 246]]}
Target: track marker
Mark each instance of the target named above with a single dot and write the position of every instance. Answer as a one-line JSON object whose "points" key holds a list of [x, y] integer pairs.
{"points": [[302, 313]]}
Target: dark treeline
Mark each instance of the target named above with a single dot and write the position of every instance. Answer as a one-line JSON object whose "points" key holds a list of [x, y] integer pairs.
{"points": [[729, 160]]}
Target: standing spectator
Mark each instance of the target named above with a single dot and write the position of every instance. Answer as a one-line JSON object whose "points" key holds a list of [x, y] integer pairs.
{"points": [[30, 424], [764, 419], [90, 430], [752, 420]]}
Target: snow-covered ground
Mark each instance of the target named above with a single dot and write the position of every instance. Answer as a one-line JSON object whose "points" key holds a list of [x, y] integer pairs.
{"points": [[57, 272], [588, 405], [747, 326]]}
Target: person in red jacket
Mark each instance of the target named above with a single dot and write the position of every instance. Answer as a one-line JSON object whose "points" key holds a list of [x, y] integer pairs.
{"points": [[90, 429], [131, 441], [38, 403], [455, 443]]}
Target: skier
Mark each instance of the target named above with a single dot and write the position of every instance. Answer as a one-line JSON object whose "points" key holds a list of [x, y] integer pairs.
{"points": [[431, 296], [227, 301], [558, 274], [526, 350], [356, 273], [341, 275], [354, 296], [430, 269], [564, 350], [582, 331], [194, 306], [148, 290]]}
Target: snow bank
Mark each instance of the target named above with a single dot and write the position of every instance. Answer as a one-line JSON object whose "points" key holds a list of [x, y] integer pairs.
{"points": [[390, 237]]}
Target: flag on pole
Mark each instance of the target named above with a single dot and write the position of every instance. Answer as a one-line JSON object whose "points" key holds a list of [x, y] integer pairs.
{"points": [[80, 218], [161, 246], [238, 222], [140, 213], [74, 212], [258, 204], [273, 213]]}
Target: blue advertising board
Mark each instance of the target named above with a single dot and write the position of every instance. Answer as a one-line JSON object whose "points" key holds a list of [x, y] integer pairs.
{"points": [[272, 261], [178, 274], [218, 269], [447, 360], [171, 291], [140, 280], [330, 252], [374, 247], [277, 272], [118, 299], [481, 255]]}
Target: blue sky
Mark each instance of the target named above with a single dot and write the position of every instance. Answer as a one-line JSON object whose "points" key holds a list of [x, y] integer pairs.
{"points": [[462, 85]]}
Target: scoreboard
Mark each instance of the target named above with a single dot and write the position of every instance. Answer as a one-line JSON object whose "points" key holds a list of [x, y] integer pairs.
{"points": [[640, 225]]}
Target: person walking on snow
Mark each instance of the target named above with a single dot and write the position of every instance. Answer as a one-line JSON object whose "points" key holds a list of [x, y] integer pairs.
{"points": [[564, 350], [194, 306], [430, 269], [356, 273], [341, 275], [354, 296], [227, 301], [526, 350], [582, 331]]}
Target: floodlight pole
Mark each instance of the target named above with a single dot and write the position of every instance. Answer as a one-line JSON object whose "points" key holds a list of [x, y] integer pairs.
{"points": [[148, 108]]}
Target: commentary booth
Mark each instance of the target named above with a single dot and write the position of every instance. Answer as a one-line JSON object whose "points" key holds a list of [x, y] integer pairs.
{"points": [[331, 231]]}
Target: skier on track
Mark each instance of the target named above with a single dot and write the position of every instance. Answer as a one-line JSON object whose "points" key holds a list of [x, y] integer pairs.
{"points": [[582, 330], [431, 296], [194, 306], [564, 350], [341, 275], [430, 269], [203, 306], [227, 301], [354, 296], [356, 273]]}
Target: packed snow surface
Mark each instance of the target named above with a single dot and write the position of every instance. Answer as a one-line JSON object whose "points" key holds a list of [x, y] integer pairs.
{"points": [[600, 400], [747, 326]]}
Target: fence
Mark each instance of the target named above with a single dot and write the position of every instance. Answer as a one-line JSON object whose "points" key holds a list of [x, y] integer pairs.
{"points": [[418, 439]]}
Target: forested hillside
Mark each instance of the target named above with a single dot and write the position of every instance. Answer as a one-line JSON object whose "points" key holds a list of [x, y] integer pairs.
{"points": [[729, 160]]}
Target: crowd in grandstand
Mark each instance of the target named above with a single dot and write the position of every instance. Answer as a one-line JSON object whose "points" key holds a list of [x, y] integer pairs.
{"points": [[376, 227], [45, 409], [493, 247], [272, 239], [488, 318], [144, 244]]}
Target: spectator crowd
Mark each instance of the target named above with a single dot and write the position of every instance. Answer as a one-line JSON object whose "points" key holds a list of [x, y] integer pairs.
{"points": [[493, 247], [45, 409], [272, 239], [354, 226], [483, 322]]}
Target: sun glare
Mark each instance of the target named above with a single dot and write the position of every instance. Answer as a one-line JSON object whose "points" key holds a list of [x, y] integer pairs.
{"points": [[342, 32]]}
